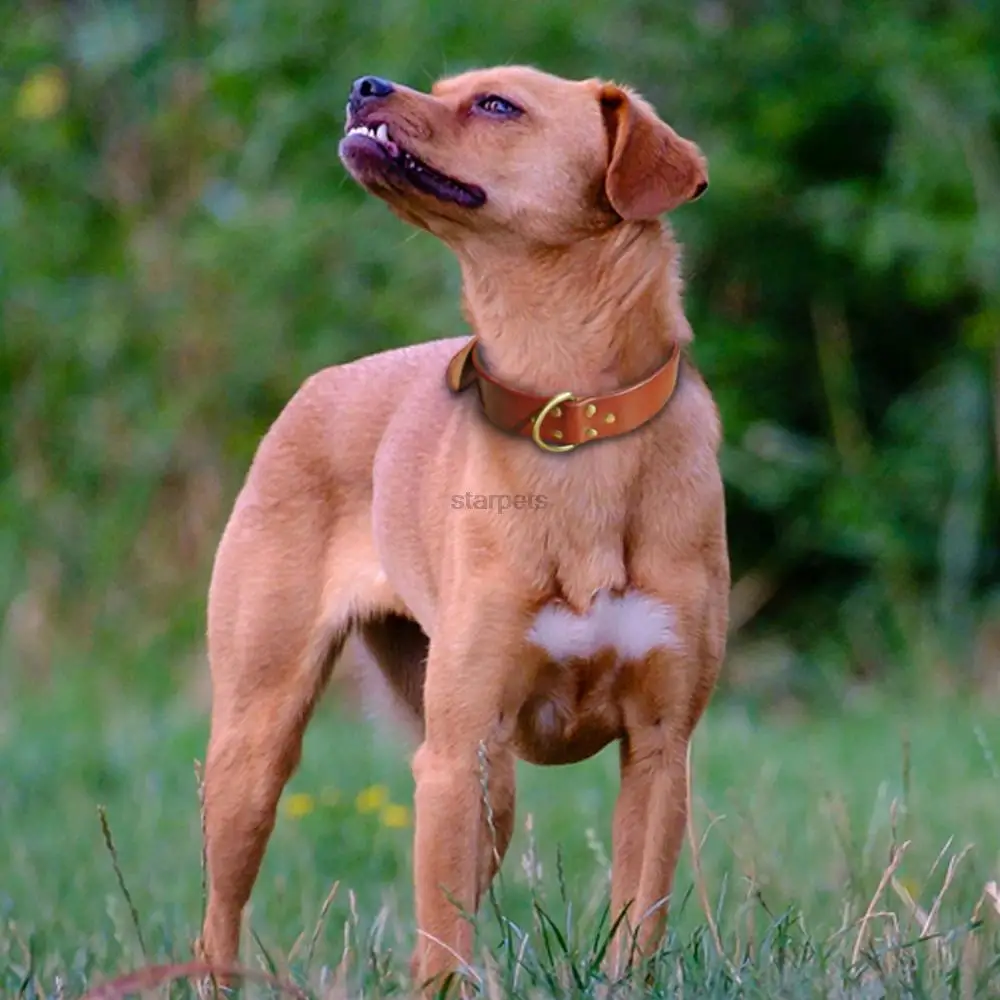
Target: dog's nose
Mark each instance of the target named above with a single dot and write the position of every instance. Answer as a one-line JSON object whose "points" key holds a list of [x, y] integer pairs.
{"points": [[369, 88]]}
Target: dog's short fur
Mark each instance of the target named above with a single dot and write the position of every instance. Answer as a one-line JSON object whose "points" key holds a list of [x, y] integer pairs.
{"points": [[542, 633]]}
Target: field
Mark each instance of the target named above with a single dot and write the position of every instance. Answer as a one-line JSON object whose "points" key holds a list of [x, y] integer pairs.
{"points": [[805, 825]]}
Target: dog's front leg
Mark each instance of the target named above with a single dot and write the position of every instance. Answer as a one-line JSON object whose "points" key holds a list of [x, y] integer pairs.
{"points": [[472, 684], [649, 822], [651, 811]]}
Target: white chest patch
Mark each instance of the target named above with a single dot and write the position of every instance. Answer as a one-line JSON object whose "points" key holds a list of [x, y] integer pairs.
{"points": [[632, 625]]}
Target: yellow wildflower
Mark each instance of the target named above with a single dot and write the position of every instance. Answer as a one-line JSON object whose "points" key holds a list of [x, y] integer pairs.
{"points": [[42, 95], [372, 799], [300, 804], [395, 816]]}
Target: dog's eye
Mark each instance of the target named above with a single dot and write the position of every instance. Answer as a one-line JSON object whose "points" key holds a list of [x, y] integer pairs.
{"points": [[498, 106]]}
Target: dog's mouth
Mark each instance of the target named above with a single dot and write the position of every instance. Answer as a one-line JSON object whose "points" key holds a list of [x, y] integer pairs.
{"points": [[370, 149]]}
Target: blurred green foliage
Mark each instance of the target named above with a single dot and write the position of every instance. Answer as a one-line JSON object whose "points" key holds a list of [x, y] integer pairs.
{"points": [[180, 247]]}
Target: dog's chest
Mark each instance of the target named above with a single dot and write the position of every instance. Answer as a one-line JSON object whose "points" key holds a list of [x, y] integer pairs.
{"points": [[629, 626], [590, 664]]}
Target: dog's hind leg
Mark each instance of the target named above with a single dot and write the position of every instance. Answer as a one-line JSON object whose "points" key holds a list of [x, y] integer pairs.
{"points": [[272, 646]]}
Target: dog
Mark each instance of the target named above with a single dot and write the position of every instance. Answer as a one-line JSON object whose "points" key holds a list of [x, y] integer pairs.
{"points": [[539, 631]]}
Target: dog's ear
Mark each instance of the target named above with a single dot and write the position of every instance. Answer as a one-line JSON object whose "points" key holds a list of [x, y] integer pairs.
{"points": [[651, 169]]}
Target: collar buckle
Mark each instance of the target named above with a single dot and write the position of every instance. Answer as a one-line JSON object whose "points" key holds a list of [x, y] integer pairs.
{"points": [[539, 419]]}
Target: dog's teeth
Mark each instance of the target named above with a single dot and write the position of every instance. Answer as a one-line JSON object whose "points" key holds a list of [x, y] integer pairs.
{"points": [[382, 133]]}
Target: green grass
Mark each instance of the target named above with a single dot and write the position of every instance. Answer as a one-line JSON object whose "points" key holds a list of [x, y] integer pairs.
{"points": [[799, 818]]}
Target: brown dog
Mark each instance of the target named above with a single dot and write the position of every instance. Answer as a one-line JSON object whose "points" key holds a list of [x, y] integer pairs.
{"points": [[588, 603]]}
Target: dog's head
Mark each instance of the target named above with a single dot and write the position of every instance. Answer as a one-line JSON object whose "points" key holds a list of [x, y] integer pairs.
{"points": [[516, 151]]}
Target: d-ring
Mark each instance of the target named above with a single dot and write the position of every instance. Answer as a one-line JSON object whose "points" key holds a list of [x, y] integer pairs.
{"points": [[536, 427]]}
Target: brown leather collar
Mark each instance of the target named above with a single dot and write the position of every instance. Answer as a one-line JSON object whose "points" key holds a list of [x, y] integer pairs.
{"points": [[568, 421]]}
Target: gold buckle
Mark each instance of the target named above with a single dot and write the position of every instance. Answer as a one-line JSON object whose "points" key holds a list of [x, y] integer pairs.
{"points": [[536, 427]]}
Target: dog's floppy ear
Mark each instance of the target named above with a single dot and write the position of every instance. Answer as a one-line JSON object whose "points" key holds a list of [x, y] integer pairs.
{"points": [[651, 169]]}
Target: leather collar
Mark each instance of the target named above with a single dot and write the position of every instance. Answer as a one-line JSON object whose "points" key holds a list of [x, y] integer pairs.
{"points": [[563, 422]]}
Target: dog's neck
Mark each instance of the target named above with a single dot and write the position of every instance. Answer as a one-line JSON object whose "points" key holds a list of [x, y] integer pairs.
{"points": [[590, 318]]}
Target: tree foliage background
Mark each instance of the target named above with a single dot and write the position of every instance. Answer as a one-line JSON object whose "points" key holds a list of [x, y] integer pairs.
{"points": [[180, 247]]}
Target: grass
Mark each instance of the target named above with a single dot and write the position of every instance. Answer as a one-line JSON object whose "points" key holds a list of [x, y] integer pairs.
{"points": [[806, 825]]}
